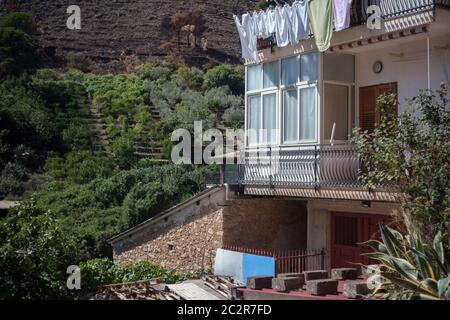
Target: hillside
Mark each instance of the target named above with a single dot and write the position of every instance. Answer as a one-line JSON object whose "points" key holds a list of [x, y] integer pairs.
{"points": [[116, 31]]}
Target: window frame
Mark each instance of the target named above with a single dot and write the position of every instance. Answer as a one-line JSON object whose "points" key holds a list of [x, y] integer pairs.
{"points": [[279, 90], [350, 122]]}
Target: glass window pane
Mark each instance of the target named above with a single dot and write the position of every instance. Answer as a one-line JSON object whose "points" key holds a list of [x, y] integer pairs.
{"points": [[336, 111], [309, 67], [270, 118], [290, 116], [308, 114], [271, 74], [254, 119], [254, 77], [289, 71]]}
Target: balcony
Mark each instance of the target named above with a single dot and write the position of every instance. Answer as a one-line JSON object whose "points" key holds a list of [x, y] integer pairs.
{"points": [[315, 171], [314, 166]]}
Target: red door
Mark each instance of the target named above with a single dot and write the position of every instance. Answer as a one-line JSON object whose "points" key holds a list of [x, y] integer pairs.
{"points": [[348, 231]]}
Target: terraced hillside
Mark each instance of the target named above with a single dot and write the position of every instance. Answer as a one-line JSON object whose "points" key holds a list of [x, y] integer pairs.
{"points": [[115, 29]]}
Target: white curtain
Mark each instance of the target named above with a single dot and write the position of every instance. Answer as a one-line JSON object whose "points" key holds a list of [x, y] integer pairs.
{"points": [[270, 118], [308, 114], [290, 112], [254, 119], [289, 71], [271, 74], [254, 77], [309, 67]]}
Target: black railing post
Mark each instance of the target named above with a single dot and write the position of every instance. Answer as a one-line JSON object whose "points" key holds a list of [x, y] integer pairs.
{"points": [[316, 171], [270, 169], [322, 259]]}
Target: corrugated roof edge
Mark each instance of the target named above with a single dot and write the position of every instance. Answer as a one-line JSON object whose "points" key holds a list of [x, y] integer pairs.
{"points": [[166, 213]]}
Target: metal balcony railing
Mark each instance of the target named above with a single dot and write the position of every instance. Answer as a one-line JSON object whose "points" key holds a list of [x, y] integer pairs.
{"points": [[314, 166]]}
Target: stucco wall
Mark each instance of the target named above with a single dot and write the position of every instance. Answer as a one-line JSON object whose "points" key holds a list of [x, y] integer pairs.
{"points": [[319, 220], [409, 70]]}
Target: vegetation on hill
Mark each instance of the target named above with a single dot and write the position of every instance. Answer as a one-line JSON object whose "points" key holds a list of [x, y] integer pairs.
{"points": [[74, 194]]}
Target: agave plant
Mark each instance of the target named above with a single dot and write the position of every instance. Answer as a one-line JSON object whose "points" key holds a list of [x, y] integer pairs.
{"points": [[409, 268]]}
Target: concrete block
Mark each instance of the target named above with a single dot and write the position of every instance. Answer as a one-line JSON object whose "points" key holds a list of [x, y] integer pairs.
{"points": [[287, 284], [259, 282], [292, 275], [315, 275], [370, 269], [344, 274], [356, 289], [322, 287]]}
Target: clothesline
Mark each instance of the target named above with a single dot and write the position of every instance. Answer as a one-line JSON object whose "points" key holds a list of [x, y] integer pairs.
{"points": [[292, 23]]}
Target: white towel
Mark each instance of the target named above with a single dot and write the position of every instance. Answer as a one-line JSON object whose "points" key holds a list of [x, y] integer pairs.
{"points": [[270, 18], [282, 26], [247, 35], [300, 13], [341, 11]]}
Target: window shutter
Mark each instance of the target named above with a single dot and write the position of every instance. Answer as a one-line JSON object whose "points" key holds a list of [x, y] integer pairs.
{"points": [[367, 109], [369, 116]]}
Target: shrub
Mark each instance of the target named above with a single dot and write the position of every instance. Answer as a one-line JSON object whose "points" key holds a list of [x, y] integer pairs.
{"points": [[123, 149], [154, 73], [189, 78], [234, 117], [225, 75], [77, 136]]}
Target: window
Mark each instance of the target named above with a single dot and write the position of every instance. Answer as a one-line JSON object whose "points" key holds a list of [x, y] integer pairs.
{"points": [[308, 113], [292, 82], [289, 71], [271, 74], [254, 119], [290, 112], [269, 118], [309, 67], [336, 111], [254, 77]]}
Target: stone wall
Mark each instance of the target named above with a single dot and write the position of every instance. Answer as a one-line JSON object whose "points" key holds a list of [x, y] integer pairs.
{"points": [[265, 224], [185, 241]]}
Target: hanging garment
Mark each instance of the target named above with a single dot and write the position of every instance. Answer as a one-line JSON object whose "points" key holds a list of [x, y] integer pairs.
{"points": [[281, 26], [341, 12], [300, 13], [260, 26], [292, 22], [321, 18], [247, 35], [270, 18]]}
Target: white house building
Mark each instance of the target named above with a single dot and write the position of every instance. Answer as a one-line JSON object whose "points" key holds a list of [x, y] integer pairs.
{"points": [[302, 104]]}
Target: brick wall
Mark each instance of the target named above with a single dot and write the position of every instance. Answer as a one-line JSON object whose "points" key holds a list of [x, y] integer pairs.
{"points": [[265, 224]]}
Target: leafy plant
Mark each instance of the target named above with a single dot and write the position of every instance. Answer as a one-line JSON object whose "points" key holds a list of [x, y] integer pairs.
{"points": [[34, 254], [411, 153], [411, 269]]}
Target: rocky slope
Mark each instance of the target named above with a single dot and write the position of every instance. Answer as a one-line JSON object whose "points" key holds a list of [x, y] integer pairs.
{"points": [[112, 30]]}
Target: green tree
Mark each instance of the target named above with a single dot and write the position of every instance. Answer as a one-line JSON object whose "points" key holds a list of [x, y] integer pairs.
{"points": [[411, 153], [22, 21], [17, 52], [34, 254]]}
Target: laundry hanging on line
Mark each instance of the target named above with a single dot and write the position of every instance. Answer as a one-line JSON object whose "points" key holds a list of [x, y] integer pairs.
{"points": [[289, 24], [341, 13]]}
